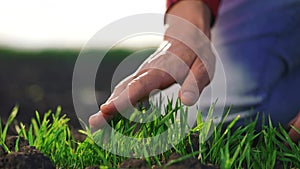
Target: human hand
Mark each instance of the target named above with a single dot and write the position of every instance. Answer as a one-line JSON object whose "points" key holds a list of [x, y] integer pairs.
{"points": [[185, 57]]}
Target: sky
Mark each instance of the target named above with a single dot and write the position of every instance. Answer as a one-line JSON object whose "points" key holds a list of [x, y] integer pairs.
{"points": [[65, 23]]}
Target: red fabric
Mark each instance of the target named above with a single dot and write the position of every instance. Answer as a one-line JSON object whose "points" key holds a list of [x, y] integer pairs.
{"points": [[213, 5]]}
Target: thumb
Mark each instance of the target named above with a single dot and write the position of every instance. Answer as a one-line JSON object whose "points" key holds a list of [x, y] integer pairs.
{"points": [[194, 83]]}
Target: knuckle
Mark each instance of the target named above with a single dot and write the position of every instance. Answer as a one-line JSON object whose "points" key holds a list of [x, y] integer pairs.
{"points": [[137, 84]]}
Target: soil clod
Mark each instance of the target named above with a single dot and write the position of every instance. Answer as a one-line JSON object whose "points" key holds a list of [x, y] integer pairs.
{"points": [[189, 163], [26, 156], [134, 163]]}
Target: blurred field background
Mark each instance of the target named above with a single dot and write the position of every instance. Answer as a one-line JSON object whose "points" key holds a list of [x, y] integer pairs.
{"points": [[42, 80], [40, 42]]}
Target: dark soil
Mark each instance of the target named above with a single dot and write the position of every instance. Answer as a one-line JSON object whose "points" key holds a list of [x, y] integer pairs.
{"points": [[190, 163], [25, 157], [79, 137], [134, 163], [93, 167]]}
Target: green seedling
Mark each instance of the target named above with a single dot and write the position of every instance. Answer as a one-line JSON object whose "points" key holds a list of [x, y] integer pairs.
{"points": [[243, 147]]}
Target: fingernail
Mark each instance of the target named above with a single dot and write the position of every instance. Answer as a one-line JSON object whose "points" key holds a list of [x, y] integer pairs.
{"points": [[188, 96]]}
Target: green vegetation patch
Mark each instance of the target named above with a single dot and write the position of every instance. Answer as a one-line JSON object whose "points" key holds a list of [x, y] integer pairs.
{"points": [[243, 147]]}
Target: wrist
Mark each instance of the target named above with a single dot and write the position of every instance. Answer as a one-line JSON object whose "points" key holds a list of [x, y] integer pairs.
{"points": [[193, 11]]}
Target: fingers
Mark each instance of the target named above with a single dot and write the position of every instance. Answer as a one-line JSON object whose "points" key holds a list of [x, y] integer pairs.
{"points": [[137, 89], [128, 94], [120, 87], [294, 135], [294, 120], [97, 120], [194, 83]]}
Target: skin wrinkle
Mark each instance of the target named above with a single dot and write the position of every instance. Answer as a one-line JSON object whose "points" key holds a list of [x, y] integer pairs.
{"points": [[199, 48], [163, 60]]}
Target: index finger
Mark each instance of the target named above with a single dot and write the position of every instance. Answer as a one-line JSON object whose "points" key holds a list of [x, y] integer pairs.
{"points": [[137, 89]]}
